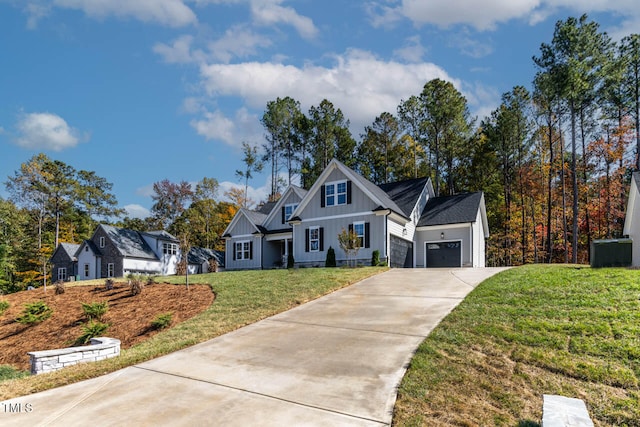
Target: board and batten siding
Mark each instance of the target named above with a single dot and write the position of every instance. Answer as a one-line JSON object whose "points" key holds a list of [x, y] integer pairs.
{"points": [[86, 256], [275, 223], [244, 264], [242, 227], [478, 242], [452, 232], [331, 228]]}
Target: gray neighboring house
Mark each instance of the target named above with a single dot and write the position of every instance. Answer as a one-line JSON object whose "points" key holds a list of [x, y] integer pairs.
{"points": [[402, 220], [117, 252], [632, 219]]}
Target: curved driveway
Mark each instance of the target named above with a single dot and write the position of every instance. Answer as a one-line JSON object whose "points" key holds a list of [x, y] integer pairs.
{"points": [[334, 361]]}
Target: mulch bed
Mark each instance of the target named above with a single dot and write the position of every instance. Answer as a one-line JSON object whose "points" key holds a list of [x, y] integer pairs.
{"points": [[129, 316]]}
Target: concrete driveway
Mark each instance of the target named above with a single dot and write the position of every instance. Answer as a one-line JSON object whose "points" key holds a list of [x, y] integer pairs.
{"points": [[334, 361]]}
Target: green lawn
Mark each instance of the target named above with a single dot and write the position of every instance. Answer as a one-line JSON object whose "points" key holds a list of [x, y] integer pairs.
{"points": [[242, 298], [529, 331]]}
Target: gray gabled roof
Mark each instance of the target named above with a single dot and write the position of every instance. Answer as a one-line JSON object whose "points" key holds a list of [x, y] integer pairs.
{"points": [[161, 235], [257, 218], [69, 249], [129, 242], [405, 193], [456, 209], [198, 255]]}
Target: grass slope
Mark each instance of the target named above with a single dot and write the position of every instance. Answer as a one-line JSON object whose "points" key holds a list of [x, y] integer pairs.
{"points": [[242, 298], [529, 331]]}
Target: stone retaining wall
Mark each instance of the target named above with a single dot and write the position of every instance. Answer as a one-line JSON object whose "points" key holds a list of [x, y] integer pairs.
{"points": [[53, 360]]}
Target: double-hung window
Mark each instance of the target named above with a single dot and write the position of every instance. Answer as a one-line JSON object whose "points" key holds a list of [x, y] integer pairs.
{"points": [[314, 239], [62, 274], [243, 250], [111, 269], [86, 270], [336, 193], [358, 228], [169, 248]]}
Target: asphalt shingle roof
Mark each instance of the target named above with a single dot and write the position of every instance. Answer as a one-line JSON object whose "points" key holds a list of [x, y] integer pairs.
{"points": [[70, 249], [198, 255], [129, 242], [451, 209], [405, 193]]}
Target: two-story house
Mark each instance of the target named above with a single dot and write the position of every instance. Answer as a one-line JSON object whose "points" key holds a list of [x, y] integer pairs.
{"points": [[402, 220]]}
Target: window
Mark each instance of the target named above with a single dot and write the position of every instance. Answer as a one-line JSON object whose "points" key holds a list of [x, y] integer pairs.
{"points": [[102, 242], [358, 228], [335, 193], [314, 239], [86, 270], [288, 211], [242, 250], [62, 273], [169, 248], [111, 269]]}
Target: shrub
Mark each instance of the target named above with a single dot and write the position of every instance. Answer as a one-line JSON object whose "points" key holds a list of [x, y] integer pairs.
{"points": [[4, 305], [95, 310], [136, 286], [8, 372], [162, 321], [108, 284], [375, 258], [151, 280], [91, 330], [60, 288], [290, 261], [213, 265], [331, 258], [34, 312]]}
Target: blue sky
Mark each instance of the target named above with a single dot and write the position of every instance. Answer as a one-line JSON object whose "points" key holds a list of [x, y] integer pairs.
{"points": [[143, 90]]}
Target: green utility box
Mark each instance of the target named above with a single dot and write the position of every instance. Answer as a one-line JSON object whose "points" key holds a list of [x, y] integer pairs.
{"points": [[611, 253]]}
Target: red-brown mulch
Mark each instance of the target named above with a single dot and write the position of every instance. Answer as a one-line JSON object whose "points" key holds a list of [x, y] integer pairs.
{"points": [[129, 316]]}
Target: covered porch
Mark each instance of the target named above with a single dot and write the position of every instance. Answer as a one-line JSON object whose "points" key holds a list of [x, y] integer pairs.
{"points": [[278, 246]]}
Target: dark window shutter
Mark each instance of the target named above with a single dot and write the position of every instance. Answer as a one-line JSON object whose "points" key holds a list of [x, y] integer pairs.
{"points": [[366, 235], [321, 239], [348, 192], [250, 250], [322, 196], [350, 228], [234, 247], [306, 240], [283, 214]]}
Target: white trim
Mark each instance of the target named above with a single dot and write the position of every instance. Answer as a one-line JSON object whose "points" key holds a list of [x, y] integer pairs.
{"points": [[62, 270], [235, 220], [279, 236], [444, 241], [363, 232], [443, 226], [324, 218], [102, 241], [276, 208], [240, 236], [335, 194], [294, 206], [242, 250]]}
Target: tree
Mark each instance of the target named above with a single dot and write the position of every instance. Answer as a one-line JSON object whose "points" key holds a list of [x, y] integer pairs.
{"points": [[252, 164], [630, 52], [350, 243], [238, 198], [411, 116], [445, 126], [170, 201], [379, 151]]}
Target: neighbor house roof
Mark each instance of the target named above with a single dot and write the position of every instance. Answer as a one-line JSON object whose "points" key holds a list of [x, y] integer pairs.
{"points": [[199, 255], [129, 242], [451, 209], [70, 249], [405, 194], [161, 235]]}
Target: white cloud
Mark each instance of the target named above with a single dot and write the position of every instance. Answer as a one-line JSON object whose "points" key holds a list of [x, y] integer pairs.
{"points": [[173, 13], [35, 11], [238, 41], [485, 15], [412, 51], [216, 126], [179, 52], [136, 211], [270, 12], [358, 83], [46, 131], [146, 191]]}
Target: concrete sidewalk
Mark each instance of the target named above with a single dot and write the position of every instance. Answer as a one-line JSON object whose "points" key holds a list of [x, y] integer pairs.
{"points": [[334, 361]]}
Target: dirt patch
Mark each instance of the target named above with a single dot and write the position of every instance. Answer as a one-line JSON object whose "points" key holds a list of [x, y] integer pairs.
{"points": [[129, 316]]}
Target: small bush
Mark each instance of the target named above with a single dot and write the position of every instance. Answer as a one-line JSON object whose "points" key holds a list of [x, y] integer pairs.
{"points": [[95, 310], [8, 372], [60, 287], [4, 306], [331, 258], [136, 286], [290, 261], [108, 284], [375, 258], [34, 312], [151, 280], [162, 321], [213, 265], [91, 330]]}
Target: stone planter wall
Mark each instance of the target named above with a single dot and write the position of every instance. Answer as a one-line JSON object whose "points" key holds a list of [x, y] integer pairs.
{"points": [[53, 360]]}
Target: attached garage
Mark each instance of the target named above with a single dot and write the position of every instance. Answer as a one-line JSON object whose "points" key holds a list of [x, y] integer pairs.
{"points": [[400, 253], [443, 254]]}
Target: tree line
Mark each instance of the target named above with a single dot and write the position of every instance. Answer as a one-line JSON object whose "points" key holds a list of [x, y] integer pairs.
{"points": [[554, 162]]}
